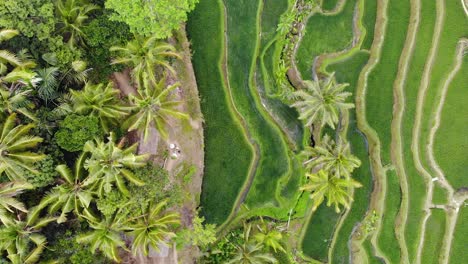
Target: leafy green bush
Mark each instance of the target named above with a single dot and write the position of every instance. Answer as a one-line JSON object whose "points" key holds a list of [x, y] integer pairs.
{"points": [[36, 21], [199, 235], [101, 34], [65, 250], [46, 172], [222, 251], [111, 202], [151, 17], [75, 130], [157, 187]]}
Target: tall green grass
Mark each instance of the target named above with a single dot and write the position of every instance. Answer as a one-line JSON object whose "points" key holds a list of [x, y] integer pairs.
{"points": [[325, 34], [273, 159], [458, 253], [450, 145], [455, 27], [368, 20], [227, 154], [435, 229], [319, 233], [329, 4], [416, 185]]}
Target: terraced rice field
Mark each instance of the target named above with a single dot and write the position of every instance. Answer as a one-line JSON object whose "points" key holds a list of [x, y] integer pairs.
{"points": [[405, 63], [271, 174]]}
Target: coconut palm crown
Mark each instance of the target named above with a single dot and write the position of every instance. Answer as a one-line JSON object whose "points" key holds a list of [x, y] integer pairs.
{"points": [[335, 158], [21, 238], [15, 142], [322, 101], [153, 106], [153, 228], [105, 235], [8, 202], [70, 195], [109, 164], [323, 185], [16, 102], [250, 252], [100, 100], [72, 16], [145, 55]]}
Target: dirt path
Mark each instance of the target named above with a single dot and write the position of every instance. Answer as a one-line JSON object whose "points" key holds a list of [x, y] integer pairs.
{"points": [[396, 149], [123, 82], [187, 136], [465, 6]]}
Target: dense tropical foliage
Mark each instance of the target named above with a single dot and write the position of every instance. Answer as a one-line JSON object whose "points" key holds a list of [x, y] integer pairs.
{"points": [[67, 161]]}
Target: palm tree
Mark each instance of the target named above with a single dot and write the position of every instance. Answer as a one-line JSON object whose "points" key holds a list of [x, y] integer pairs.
{"points": [[110, 164], [336, 159], [22, 240], [16, 102], [72, 15], [335, 189], [249, 252], [14, 143], [105, 235], [76, 74], [145, 55], [7, 57], [19, 61], [8, 203], [322, 101], [70, 195], [48, 84], [152, 107], [152, 228], [100, 100], [269, 236]]}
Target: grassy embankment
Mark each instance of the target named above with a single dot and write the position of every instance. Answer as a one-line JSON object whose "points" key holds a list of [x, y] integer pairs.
{"points": [[227, 153]]}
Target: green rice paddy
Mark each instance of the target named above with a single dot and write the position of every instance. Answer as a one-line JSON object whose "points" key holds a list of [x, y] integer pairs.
{"points": [[450, 148], [317, 39], [226, 164], [260, 135]]}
